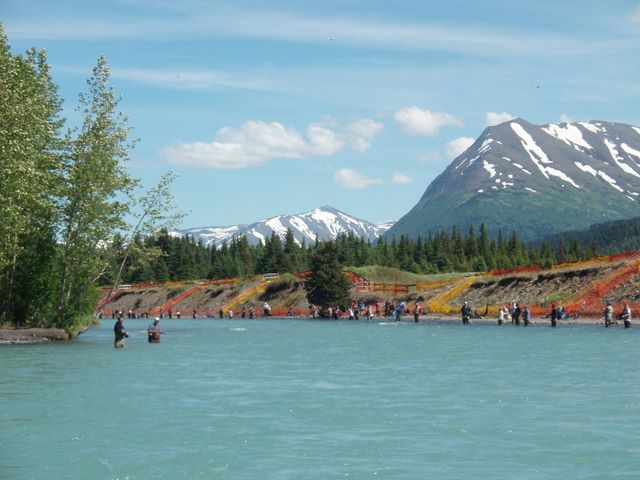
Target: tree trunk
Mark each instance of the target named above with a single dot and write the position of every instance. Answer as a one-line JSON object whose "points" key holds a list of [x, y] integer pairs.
{"points": [[7, 308]]}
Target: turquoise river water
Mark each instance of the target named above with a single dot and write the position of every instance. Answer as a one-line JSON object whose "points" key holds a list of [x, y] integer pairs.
{"points": [[303, 399]]}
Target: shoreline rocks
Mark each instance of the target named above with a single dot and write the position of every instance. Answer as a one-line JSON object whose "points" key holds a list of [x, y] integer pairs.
{"points": [[28, 336]]}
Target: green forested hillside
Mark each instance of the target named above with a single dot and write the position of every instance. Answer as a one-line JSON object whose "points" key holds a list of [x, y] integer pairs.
{"points": [[165, 257], [609, 237]]}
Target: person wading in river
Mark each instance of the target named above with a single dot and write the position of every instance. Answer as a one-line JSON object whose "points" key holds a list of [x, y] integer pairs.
{"points": [[119, 332], [466, 313], [154, 332], [626, 315], [608, 315]]}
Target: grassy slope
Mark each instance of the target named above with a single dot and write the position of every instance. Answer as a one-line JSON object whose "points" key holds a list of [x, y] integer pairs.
{"points": [[378, 274]]}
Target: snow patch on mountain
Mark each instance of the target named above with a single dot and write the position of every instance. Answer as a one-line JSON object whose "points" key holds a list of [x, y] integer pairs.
{"points": [[302, 227], [637, 130], [489, 167], [486, 145], [569, 134], [276, 225], [593, 127], [610, 181], [260, 237], [587, 169], [538, 156], [561, 175], [613, 151], [385, 225], [629, 150]]}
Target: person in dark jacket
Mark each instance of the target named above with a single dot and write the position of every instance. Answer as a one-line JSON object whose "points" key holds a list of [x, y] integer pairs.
{"points": [[516, 314], [554, 316], [466, 313], [119, 332]]}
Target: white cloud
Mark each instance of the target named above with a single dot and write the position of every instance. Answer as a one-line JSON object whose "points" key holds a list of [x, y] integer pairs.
{"points": [[564, 118], [458, 146], [254, 143], [401, 178], [360, 134], [428, 157], [418, 121], [351, 179], [495, 118], [257, 142], [635, 15]]}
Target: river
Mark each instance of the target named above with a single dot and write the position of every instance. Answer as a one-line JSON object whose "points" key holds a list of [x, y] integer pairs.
{"points": [[303, 399]]}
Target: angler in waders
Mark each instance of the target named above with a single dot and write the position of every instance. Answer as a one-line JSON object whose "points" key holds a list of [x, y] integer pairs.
{"points": [[119, 332], [466, 313], [608, 315]]}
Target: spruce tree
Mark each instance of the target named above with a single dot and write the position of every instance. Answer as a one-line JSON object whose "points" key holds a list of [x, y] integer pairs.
{"points": [[327, 286]]}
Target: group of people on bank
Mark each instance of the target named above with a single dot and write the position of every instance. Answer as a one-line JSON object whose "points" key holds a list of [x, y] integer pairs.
{"points": [[514, 314], [378, 309], [518, 315]]}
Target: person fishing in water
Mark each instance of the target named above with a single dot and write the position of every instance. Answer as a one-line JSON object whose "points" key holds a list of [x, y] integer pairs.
{"points": [[154, 332], [554, 316], [119, 332], [608, 314], [466, 313], [626, 315], [526, 315]]}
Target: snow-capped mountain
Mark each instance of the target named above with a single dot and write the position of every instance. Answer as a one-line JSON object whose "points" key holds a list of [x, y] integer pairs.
{"points": [[534, 179], [325, 223]]}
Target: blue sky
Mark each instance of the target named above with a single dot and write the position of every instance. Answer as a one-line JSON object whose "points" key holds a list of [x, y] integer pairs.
{"points": [[268, 108]]}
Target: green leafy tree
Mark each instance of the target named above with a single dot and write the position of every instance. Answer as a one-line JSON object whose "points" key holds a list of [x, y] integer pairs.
{"points": [[30, 168], [153, 215], [95, 193]]}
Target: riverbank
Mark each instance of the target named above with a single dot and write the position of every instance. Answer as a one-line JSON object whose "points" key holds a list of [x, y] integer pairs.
{"points": [[26, 336]]}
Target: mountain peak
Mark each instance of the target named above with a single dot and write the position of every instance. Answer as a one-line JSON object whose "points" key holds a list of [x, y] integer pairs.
{"points": [[322, 223], [534, 179]]}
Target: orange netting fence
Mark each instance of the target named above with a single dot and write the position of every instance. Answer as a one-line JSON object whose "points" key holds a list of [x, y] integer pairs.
{"points": [[527, 269], [590, 300], [176, 300]]}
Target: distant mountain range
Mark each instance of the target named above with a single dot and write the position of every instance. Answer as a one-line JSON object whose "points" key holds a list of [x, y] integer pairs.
{"points": [[537, 180], [324, 223]]}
